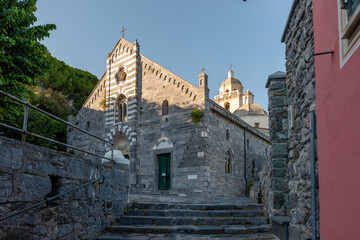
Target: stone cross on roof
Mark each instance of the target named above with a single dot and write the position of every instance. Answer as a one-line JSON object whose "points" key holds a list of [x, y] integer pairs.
{"points": [[123, 31]]}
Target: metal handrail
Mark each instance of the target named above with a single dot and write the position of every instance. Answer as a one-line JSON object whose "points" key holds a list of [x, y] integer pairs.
{"points": [[50, 199], [51, 140], [25, 132], [53, 116]]}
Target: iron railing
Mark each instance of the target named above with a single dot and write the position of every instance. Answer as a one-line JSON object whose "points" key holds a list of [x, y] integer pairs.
{"points": [[47, 200], [24, 131]]}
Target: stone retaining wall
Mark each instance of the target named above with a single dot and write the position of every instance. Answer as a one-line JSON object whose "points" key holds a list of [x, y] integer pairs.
{"points": [[29, 173]]}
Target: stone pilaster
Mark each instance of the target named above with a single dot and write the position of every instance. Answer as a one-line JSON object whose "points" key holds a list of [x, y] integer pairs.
{"points": [[276, 169]]}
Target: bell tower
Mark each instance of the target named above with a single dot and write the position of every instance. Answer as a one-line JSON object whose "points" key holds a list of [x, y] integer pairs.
{"points": [[203, 83]]}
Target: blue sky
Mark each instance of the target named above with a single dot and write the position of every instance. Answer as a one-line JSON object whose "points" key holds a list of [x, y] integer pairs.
{"points": [[182, 36]]}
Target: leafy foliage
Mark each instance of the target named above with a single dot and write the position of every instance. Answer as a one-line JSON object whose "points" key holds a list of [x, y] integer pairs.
{"points": [[22, 56], [38, 123], [55, 103], [196, 115], [76, 84], [51, 101], [46, 127], [248, 187], [25, 62]]}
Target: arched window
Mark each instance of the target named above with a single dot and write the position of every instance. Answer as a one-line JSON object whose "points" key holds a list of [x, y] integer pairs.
{"points": [[228, 163], [227, 106], [253, 169], [227, 134], [120, 75], [87, 126], [165, 108], [121, 109]]}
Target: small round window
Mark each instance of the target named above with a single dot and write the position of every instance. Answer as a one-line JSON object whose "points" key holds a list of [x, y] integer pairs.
{"points": [[120, 75]]}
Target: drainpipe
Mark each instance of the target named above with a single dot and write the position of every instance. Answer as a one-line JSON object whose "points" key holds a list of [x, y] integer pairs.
{"points": [[313, 170], [112, 146], [245, 162]]}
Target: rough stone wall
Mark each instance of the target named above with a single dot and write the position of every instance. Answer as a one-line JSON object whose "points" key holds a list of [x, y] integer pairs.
{"points": [[241, 143], [300, 84], [29, 173], [274, 177], [218, 144]]}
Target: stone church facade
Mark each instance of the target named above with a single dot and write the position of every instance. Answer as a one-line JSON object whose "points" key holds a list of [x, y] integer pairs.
{"points": [[145, 110]]}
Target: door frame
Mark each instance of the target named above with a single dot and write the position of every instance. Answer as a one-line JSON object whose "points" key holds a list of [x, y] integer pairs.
{"points": [[156, 168]]}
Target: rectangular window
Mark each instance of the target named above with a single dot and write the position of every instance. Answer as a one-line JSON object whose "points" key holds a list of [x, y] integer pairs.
{"points": [[349, 28], [352, 5], [257, 124]]}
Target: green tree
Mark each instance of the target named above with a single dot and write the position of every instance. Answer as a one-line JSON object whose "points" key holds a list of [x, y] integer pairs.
{"points": [[22, 56], [75, 83], [55, 103], [51, 101]]}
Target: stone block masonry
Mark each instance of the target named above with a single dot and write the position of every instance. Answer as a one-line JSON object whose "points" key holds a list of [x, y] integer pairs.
{"points": [[286, 181], [29, 174], [300, 84], [274, 175]]}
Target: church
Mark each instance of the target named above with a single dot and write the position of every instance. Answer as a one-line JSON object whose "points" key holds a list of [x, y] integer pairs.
{"points": [[175, 139]]}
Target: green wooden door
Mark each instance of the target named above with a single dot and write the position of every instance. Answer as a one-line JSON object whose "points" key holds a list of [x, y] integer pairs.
{"points": [[164, 172]]}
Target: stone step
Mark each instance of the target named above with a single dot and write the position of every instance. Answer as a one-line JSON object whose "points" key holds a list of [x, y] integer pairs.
{"points": [[195, 213], [189, 229], [167, 206], [172, 236], [161, 221]]}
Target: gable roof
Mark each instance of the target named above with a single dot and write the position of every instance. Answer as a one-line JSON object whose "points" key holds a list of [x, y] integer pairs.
{"points": [[276, 75]]}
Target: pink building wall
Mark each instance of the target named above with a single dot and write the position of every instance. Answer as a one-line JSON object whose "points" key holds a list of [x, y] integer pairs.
{"points": [[338, 128]]}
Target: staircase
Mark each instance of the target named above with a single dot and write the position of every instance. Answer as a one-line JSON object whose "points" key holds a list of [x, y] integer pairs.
{"points": [[245, 218]]}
